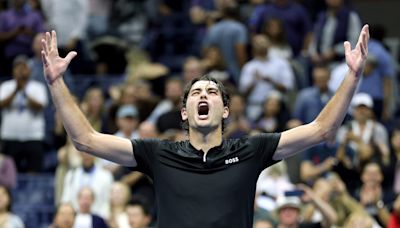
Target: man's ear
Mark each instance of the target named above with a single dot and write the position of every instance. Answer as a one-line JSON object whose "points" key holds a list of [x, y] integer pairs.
{"points": [[184, 114], [226, 112]]}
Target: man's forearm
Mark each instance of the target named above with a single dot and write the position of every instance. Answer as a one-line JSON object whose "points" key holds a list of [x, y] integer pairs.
{"points": [[331, 117], [74, 121]]}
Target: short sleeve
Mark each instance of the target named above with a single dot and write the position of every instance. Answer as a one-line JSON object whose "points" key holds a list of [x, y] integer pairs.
{"points": [[6, 89], [241, 37], [37, 91], [144, 153], [266, 145]]}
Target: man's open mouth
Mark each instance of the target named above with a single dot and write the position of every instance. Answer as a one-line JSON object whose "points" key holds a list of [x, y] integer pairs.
{"points": [[203, 110]]}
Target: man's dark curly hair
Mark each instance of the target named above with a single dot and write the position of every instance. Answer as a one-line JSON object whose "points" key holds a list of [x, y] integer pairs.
{"points": [[221, 87]]}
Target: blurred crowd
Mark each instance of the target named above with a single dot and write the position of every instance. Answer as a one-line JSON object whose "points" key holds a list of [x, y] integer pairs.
{"points": [[281, 60]]}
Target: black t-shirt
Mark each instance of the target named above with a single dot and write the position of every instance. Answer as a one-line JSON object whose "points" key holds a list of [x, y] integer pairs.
{"points": [[213, 191]]}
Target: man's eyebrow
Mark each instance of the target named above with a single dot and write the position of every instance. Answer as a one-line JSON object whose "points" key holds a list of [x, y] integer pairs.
{"points": [[195, 89], [213, 88]]}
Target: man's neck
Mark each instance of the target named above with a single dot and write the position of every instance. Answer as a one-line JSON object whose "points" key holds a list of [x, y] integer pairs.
{"points": [[205, 141]]}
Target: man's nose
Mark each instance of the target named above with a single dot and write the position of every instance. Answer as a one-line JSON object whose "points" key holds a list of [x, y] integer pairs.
{"points": [[203, 94]]}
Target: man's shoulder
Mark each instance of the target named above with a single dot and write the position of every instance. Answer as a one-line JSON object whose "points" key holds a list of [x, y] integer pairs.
{"points": [[159, 143]]}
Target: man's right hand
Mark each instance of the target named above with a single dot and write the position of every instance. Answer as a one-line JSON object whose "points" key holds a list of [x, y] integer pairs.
{"points": [[53, 65]]}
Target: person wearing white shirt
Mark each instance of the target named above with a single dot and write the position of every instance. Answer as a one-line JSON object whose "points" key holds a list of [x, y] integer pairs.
{"points": [[23, 125], [85, 218], [93, 176], [262, 75]]}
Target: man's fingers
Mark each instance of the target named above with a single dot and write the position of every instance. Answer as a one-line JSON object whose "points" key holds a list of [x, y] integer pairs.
{"points": [[53, 40], [364, 31], [44, 60], [48, 41], [44, 47], [362, 49], [70, 56], [347, 47]]}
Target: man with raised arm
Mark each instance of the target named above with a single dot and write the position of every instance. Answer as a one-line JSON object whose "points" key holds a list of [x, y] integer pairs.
{"points": [[205, 181]]}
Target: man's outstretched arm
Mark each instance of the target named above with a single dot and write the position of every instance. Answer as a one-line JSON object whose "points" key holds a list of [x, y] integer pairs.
{"points": [[84, 137], [325, 126]]}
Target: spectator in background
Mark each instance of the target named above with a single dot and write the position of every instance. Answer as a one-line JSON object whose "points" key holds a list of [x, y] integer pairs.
{"points": [[167, 114], [85, 218], [138, 214], [7, 218], [310, 101], [18, 26], [64, 216], [203, 14], [213, 63], [128, 19], [69, 158], [147, 130], [191, 69], [271, 184], [119, 197], [173, 94], [91, 175], [23, 127], [72, 32], [372, 195], [169, 121], [379, 77], [93, 107], [230, 36], [275, 31], [365, 136], [333, 190], [262, 75], [335, 25], [318, 162], [99, 12], [128, 122], [289, 210], [297, 24], [237, 124], [146, 99], [126, 95], [275, 114], [8, 171]]}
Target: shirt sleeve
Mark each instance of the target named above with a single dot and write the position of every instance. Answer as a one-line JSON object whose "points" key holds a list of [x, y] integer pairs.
{"points": [[37, 91], [266, 145], [144, 154], [246, 78], [386, 64], [241, 37]]}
